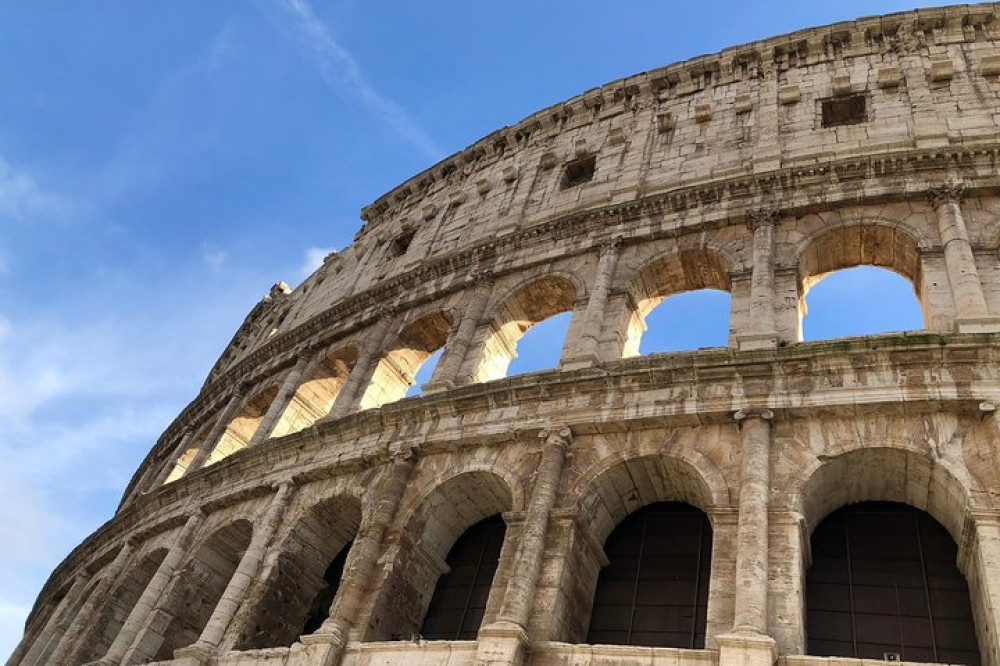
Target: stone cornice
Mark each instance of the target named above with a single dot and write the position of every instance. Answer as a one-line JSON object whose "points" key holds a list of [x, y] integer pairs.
{"points": [[723, 201], [905, 32], [356, 443]]}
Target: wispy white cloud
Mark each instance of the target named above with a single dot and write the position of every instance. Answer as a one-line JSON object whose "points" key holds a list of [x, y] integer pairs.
{"points": [[213, 257], [22, 199], [341, 71], [313, 259]]}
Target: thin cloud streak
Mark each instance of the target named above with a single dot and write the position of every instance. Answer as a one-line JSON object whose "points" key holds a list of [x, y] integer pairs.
{"points": [[21, 197], [341, 71]]}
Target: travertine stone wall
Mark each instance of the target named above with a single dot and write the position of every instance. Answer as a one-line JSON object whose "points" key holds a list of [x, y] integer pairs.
{"points": [[715, 173]]}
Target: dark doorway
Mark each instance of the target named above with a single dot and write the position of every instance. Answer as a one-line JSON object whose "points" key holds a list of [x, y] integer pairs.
{"points": [[654, 590], [884, 585], [459, 600]]}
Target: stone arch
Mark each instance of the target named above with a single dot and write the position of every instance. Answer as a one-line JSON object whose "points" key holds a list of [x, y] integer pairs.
{"points": [[397, 369], [119, 605], [893, 474], [428, 531], [671, 273], [526, 304], [615, 488], [874, 243], [623, 483], [296, 586], [242, 427], [314, 397], [199, 586]]}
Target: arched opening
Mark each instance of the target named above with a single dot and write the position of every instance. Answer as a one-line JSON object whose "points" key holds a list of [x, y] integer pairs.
{"points": [[654, 589], [864, 300], [117, 608], [884, 584], [303, 585], [431, 535], [527, 307], [459, 601], [397, 370], [541, 346], [687, 271], [689, 320], [870, 246], [424, 374], [183, 464], [241, 429], [202, 581], [616, 505], [315, 396]]}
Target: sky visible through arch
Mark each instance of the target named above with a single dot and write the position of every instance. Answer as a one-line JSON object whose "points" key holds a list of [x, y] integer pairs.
{"points": [[163, 163]]}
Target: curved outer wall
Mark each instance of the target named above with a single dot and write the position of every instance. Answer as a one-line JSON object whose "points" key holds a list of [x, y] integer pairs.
{"points": [[718, 172]]}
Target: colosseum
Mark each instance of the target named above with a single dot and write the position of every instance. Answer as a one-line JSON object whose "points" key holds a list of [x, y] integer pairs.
{"points": [[771, 501]]}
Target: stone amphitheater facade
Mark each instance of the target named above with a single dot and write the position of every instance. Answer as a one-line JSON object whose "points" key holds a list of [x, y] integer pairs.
{"points": [[756, 171]]}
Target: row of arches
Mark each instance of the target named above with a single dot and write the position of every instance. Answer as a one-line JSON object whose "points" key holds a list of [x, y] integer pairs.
{"points": [[882, 578], [555, 307]]}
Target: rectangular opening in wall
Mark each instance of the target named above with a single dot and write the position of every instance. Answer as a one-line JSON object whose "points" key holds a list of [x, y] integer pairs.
{"points": [[839, 111], [400, 244], [579, 172]]}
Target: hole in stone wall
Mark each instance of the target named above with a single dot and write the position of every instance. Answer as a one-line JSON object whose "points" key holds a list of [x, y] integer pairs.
{"points": [[839, 111], [864, 300], [401, 243], [689, 320], [579, 172]]}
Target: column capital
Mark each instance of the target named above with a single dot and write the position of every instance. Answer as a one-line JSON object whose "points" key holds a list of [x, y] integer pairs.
{"points": [[948, 192], [753, 413], [403, 452], [761, 217], [560, 436], [611, 245]]}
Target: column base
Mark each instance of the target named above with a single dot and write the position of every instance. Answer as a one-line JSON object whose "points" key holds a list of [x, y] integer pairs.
{"points": [[430, 388], [326, 646], [746, 648], [757, 341], [196, 654], [502, 643], [980, 325], [579, 362]]}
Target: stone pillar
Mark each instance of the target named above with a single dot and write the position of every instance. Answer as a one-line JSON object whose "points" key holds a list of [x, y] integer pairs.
{"points": [[280, 403], [329, 641], [789, 561], [116, 654], [66, 648], [202, 651], [360, 377], [212, 438], [447, 374], [749, 644], [186, 435], [979, 559], [761, 332], [971, 312], [506, 641], [31, 652], [586, 352]]}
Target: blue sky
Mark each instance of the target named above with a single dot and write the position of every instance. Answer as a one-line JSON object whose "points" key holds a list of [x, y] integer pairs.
{"points": [[163, 163]]}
